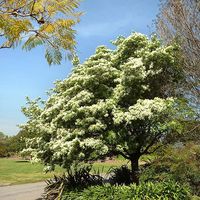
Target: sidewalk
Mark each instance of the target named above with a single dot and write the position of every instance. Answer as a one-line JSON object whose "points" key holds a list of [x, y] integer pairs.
{"points": [[30, 191]]}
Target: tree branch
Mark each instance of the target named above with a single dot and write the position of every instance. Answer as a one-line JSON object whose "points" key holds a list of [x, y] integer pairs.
{"points": [[150, 152], [157, 136], [6, 47]]}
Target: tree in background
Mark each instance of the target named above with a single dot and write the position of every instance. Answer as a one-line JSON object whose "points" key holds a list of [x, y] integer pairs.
{"points": [[39, 22], [4, 145], [179, 20], [12, 145], [16, 143], [115, 102]]}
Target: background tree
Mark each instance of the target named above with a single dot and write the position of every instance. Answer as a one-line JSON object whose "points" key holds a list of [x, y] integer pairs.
{"points": [[39, 22], [12, 145], [112, 103], [4, 145], [16, 143], [179, 20]]}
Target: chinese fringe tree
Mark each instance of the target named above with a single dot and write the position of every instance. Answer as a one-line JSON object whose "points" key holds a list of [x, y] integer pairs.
{"points": [[116, 102]]}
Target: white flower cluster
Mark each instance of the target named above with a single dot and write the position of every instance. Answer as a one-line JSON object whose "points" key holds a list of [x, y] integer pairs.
{"points": [[143, 109], [101, 96]]}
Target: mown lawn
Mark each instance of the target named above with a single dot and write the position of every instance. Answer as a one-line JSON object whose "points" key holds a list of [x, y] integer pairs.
{"points": [[14, 171], [104, 167]]}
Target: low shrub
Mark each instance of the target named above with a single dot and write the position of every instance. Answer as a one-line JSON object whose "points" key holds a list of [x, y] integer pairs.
{"points": [[74, 179], [120, 176], [180, 163], [145, 191]]}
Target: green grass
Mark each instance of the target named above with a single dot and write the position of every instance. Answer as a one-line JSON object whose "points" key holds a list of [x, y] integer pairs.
{"points": [[14, 171], [104, 167]]}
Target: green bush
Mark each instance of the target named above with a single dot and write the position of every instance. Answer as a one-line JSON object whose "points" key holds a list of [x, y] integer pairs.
{"points": [[120, 176], [145, 191], [4, 143], [73, 179], [180, 162]]}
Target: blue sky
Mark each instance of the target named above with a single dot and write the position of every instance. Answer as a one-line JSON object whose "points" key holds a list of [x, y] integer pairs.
{"points": [[28, 74]]}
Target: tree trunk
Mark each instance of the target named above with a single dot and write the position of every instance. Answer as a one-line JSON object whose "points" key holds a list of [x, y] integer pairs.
{"points": [[135, 169]]}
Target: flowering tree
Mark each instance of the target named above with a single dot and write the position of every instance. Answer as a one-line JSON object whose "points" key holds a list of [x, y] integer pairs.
{"points": [[115, 102]]}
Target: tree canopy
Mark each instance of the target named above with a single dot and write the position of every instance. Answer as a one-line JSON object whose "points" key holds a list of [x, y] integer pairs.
{"points": [[180, 21], [4, 142], [116, 102], [39, 22]]}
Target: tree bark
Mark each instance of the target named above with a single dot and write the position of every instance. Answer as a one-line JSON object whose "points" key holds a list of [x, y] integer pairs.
{"points": [[135, 169]]}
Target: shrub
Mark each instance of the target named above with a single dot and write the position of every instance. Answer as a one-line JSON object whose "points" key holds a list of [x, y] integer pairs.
{"points": [[74, 179], [180, 163], [120, 176], [145, 191]]}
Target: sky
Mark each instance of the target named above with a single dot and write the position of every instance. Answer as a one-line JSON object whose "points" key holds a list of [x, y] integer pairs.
{"points": [[28, 74]]}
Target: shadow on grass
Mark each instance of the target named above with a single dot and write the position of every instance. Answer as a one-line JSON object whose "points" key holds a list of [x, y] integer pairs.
{"points": [[22, 161]]}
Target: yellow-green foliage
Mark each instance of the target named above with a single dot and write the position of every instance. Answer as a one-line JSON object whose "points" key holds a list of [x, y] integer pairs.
{"points": [[39, 22], [146, 191]]}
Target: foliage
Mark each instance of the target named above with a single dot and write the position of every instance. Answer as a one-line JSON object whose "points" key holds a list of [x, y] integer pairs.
{"points": [[190, 130], [4, 141], [180, 21], [153, 191], [180, 162], [116, 102], [120, 176], [39, 22], [195, 197], [10, 145], [74, 179], [17, 142]]}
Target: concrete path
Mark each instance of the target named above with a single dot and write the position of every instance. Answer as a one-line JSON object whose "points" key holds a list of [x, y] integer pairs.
{"points": [[30, 191]]}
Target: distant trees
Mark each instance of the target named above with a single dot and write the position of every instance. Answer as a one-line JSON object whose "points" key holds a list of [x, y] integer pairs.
{"points": [[13, 145], [179, 20], [4, 145], [39, 22], [115, 102], [17, 142]]}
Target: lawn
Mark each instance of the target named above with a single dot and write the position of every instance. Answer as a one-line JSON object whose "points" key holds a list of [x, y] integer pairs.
{"points": [[13, 171], [104, 167]]}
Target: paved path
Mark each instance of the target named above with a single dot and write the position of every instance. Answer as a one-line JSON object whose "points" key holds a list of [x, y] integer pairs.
{"points": [[30, 191]]}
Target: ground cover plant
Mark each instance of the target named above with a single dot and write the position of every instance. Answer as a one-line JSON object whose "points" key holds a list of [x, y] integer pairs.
{"points": [[80, 183], [145, 191]]}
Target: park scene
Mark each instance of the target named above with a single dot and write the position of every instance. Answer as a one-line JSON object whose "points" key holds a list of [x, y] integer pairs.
{"points": [[100, 100]]}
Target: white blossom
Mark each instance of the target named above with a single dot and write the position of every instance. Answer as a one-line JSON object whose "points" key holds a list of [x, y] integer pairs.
{"points": [[89, 113]]}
